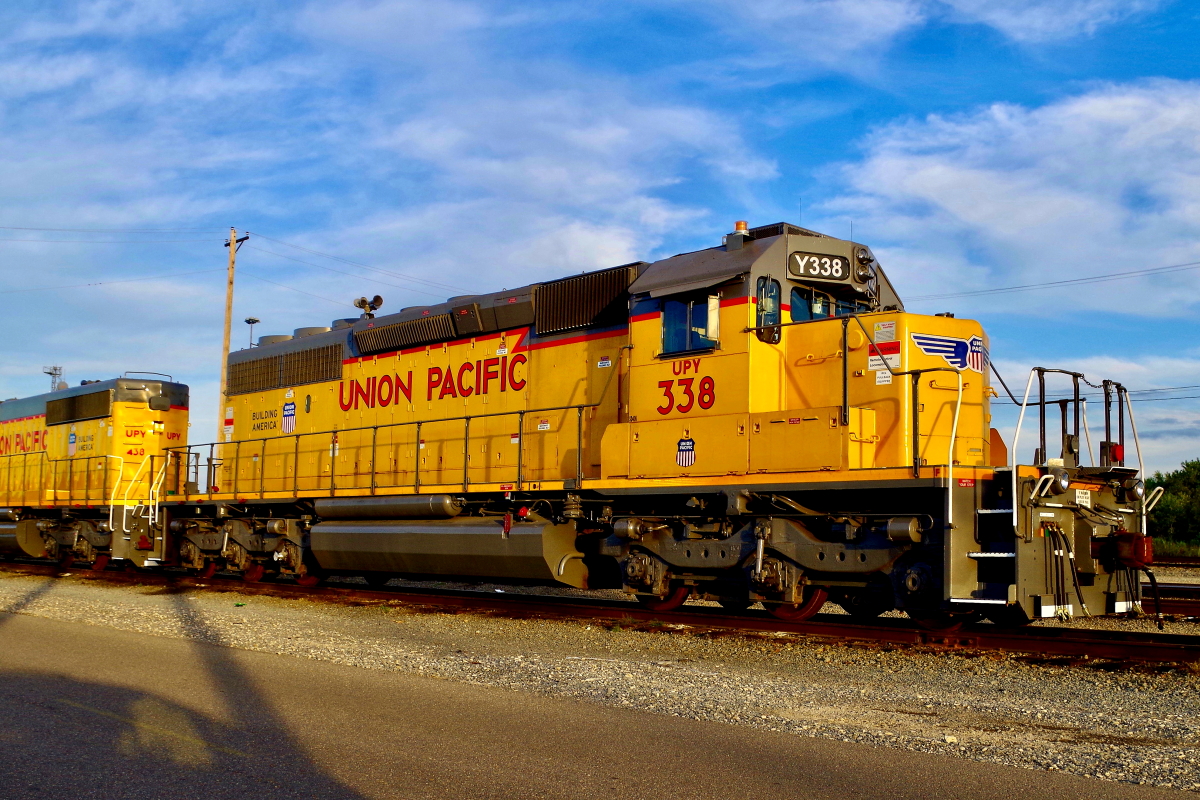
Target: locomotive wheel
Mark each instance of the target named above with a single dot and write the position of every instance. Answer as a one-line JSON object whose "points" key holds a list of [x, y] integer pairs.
{"points": [[254, 573], [208, 570], [376, 580], [814, 598], [66, 560], [669, 602], [101, 562], [308, 580]]}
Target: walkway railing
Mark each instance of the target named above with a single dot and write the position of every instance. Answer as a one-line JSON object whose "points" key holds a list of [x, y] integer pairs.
{"points": [[196, 466]]}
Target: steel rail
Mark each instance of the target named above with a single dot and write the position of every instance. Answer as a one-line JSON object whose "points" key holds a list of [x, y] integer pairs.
{"points": [[1129, 646]]}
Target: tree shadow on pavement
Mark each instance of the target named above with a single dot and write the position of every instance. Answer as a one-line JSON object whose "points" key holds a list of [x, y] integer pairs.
{"points": [[67, 737]]}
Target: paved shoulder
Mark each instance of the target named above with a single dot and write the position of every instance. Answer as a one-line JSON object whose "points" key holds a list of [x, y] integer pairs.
{"points": [[90, 711]]}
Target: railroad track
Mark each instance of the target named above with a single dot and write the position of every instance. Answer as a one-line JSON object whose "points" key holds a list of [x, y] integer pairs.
{"points": [[1129, 646], [1181, 599], [1177, 561]]}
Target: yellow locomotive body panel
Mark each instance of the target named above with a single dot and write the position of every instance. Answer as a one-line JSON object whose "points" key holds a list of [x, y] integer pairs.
{"points": [[609, 409], [729, 372], [485, 412]]}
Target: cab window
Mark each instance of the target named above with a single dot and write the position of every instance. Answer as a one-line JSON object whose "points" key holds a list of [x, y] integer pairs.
{"points": [[768, 312], [690, 323], [808, 304]]}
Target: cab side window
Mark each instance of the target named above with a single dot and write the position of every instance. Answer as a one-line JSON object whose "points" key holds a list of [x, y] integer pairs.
{"points": [[768, 312], [808, 304], [690, 323]]}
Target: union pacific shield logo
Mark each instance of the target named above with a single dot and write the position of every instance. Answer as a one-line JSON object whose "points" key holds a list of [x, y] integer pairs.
{"points": [[289, 417], [958, 353], [685, 456]]}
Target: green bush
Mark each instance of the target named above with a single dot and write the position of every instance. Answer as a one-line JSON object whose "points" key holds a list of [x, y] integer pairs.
{"points": [[1177, 516]]}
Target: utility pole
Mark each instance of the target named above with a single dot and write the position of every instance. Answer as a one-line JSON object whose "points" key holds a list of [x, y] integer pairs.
{"points": [[233, 244]]}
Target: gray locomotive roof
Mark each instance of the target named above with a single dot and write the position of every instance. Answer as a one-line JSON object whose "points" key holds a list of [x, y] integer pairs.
{"points": [[336, 336], [700, 269], [127, 390]]}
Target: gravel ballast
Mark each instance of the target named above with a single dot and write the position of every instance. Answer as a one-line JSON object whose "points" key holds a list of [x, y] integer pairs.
{"points": [[1114, 722]]}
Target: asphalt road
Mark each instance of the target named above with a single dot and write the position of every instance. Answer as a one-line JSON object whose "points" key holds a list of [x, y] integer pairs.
{"points": [[87, 711]]}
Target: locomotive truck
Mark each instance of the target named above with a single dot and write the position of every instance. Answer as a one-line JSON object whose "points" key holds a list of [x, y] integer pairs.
{"points": [[756, 422]]}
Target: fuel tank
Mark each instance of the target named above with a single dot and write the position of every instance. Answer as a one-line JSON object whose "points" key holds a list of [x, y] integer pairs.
{"points": [[419, 506], [475, 546], [21, 539]]}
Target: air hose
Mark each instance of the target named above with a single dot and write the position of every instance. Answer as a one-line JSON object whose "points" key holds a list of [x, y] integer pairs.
{"points": [[1158, 616]]}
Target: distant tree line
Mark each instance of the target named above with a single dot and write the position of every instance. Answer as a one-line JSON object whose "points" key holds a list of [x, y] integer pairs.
{"points": [[1177, 515]]}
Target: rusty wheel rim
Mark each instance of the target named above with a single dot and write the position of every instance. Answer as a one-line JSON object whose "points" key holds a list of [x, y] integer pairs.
{"points": [[798, 612]]}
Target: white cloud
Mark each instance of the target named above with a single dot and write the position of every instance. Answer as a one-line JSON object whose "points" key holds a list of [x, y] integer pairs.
{"points": [[117, 18], [849, 35], [1102, 182], [1047, 20]]}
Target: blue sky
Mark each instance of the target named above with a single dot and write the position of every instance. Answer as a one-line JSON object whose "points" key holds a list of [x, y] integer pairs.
{"points": [[470, 146]]}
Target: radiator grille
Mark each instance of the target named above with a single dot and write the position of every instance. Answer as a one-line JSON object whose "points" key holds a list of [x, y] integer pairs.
{"points": [[313, 366], [289, 369], [73, 409], [597, 298], [413, 332]]}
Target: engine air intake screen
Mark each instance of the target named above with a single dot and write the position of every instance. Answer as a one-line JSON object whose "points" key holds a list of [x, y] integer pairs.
{"points": [[316, 365], [84, 406], [597, 298], [410, 333]]}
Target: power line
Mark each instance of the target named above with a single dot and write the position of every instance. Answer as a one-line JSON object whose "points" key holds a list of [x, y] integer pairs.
{"points": [[341, 272], [1132, 400], [1114, 276], [109, 241], [294, 289], [1060, 396], [364, 266], [110, 230], [106, 283]]}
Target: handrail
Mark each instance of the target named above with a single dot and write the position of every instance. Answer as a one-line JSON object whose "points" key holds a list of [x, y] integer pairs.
{"points": [[112, 500], [125, 497], [186, 447], [54, 476], [185, 451], [156, 487]]}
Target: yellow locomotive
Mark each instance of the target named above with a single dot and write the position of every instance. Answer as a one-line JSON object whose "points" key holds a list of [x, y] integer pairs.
{"points": [[756, 422], [78, 469]]}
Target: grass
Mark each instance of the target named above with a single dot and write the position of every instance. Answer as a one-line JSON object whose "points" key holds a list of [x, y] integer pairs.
{"points": [[1170, 547]]}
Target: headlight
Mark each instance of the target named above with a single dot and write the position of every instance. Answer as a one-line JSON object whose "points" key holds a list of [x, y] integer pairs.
{"points": [[1062, 480], [1135, 489], [863, 255]]}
